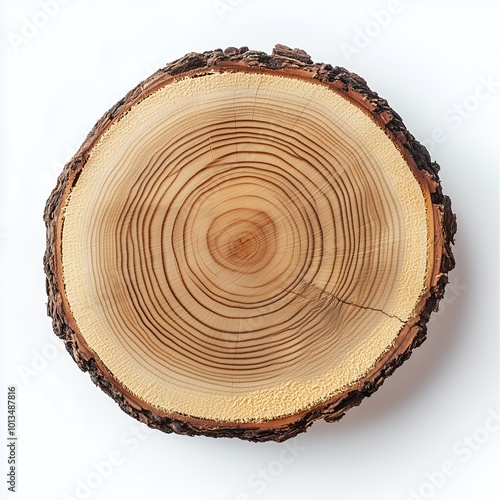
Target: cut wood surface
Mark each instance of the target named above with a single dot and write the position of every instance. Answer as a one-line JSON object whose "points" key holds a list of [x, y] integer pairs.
{"points": [[246, 243]]}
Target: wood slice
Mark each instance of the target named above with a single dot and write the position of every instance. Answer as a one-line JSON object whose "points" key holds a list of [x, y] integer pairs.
{"points": [[246, 243]]}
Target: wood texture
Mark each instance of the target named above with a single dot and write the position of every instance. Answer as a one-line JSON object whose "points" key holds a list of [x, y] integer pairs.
{"points": [[250, 263]]}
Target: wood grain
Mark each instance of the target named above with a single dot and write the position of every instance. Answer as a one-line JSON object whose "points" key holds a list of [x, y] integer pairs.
{"points": [[244, 244]]}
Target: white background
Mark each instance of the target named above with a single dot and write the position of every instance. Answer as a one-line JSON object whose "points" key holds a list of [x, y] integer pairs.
{"points": [[429, 61]]}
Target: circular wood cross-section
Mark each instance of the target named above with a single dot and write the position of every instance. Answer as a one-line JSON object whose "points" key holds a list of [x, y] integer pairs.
{"points": [[246, 243]]}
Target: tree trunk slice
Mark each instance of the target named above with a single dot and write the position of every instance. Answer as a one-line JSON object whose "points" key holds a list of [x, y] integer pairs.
{"points": [[246, 243]]}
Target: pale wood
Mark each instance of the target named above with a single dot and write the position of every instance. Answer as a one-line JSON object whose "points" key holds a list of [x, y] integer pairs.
{"points": [[243, 249]]}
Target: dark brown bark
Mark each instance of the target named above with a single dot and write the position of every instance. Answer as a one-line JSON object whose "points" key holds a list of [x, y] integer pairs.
{"points": [[295, 63]]}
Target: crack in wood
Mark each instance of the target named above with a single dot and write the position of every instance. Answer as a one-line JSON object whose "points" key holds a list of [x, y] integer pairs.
{"points": [[313, 293]]}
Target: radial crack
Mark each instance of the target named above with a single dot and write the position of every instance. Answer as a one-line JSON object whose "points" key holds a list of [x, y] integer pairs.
{"points": [[312, 292]]}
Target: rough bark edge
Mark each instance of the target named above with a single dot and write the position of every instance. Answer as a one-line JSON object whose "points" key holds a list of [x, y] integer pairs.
{"points": [[285, 59]]}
